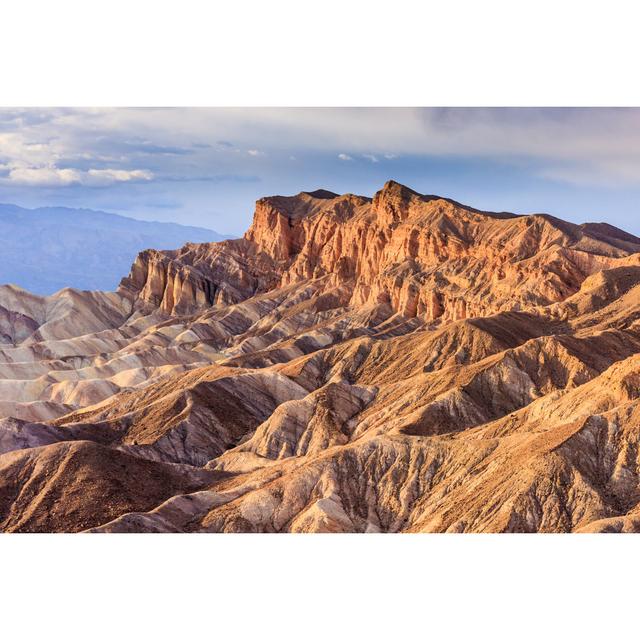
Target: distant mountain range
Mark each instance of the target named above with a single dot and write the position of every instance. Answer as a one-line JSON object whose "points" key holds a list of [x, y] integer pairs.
{"points": [[46, 249]]}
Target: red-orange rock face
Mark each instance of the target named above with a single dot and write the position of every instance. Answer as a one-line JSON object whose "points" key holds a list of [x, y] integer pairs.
{"points": [[425, 256]]}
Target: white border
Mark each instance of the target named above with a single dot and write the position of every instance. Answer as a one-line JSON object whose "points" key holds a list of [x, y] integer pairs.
{"points": [[319, 586], [137, 52], [334, 53]]}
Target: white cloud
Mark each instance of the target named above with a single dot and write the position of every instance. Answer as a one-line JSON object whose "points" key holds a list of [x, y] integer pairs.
{"points": [[255, 152], [44, 176], [390, 156], [370, 157], [344, 156], [52, 176], [24, 148], [98, 177]]}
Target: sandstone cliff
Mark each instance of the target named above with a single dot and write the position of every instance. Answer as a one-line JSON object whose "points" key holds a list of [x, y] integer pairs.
{"points": [[424, 256]]}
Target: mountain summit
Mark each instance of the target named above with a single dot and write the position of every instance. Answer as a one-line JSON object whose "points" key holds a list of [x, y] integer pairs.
{"points": [[425, 256]]}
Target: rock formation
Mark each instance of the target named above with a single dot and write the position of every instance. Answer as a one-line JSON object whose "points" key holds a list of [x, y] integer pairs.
{"points": [[401, 363]]}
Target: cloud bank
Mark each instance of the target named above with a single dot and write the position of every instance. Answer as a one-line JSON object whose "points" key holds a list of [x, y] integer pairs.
{"points": [[573, 145], [54, 177]]}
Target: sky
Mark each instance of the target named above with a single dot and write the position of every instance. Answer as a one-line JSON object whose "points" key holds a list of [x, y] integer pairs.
{"points": [[208, 166]]}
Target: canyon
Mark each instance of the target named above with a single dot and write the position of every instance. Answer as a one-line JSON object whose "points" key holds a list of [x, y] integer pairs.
{"points": [[401, 363]]}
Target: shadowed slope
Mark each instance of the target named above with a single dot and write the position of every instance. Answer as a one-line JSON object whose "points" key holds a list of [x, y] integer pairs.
{"points": [[73, 486]]}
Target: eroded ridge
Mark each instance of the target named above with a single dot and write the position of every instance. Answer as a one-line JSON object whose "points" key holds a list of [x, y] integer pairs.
{"points": [[400, 364]]}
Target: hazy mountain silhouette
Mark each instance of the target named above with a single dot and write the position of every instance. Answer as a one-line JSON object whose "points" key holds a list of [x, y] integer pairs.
{"points": [[49, 248]]}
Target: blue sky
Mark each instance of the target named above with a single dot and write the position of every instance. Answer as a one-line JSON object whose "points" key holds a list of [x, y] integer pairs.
{"points": [[206, 167]]}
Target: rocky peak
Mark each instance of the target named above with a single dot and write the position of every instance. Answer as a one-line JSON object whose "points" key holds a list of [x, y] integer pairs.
{"points": [[394, 202], [424, 255], [321, 194], [279, 222]]}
